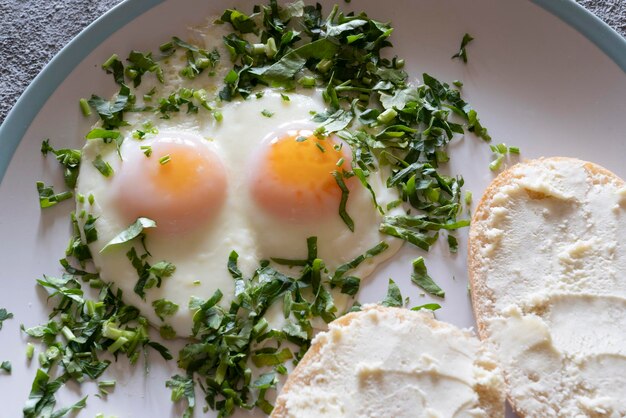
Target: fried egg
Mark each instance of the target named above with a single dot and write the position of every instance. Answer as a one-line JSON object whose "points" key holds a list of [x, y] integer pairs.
{"points": [[258, 182]]}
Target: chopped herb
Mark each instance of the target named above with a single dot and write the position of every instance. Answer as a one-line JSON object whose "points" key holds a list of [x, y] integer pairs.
{"points": [[453, 244], [6, 366], [394, 296], [387, 116], [163, 269], [68, 158], [462, 54], [102, 166], [165, 159], [48, 198], [167, 332], [421, 278], [182, 386], [344, 199], [429, 306], [30, 351], [419, 230], [339, 279], [41, 400], [500, 151], [89, 229], [130, 233], [4, 315], [105, 385], [164, 307], [267, 113], [147, 150], [84, 107]]}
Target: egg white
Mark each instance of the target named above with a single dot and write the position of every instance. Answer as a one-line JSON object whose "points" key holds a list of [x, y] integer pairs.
{"points": [[201, 256]]}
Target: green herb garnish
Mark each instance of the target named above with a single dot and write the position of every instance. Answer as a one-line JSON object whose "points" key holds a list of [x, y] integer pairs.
{"points": [[339, 178], [394, 296], [4, 315], [48, 198], [428, 306], [84, 107], [102, 166], [130, 233], [68, 158], [462, 54], [421, 278], [500, 152], [164, 307]]}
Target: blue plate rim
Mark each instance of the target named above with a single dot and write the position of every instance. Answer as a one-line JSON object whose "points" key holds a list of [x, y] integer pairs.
{"points": [[54, 73]]}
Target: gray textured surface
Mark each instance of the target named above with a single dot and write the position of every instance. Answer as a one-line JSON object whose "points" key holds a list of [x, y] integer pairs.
{"points": [[32, 32]]}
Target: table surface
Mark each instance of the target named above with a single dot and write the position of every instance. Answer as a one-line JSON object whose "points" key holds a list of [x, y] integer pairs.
{"points": [[32, 32]]}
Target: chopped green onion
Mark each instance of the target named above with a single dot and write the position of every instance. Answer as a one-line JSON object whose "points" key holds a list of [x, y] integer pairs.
{"points": [[30, 351], [84, 107], [387, 116]]}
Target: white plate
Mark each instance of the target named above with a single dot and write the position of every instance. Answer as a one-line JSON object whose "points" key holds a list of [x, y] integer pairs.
{"points": [[537, 82]]}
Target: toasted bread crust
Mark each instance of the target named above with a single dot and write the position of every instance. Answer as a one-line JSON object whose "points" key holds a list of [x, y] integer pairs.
{"points": [[481, 295]]}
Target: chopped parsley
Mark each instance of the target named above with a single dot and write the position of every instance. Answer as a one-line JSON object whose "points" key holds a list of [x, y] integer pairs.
{"points": [[130, 233], [68, 158], [428, 306], [229, 339], [421, 278], [339, 178], [4, 315], [462, 54], [394, 296], [6, 366], [48, 198], [164, 307], [149, 276], [267, 113], [79, 330]]}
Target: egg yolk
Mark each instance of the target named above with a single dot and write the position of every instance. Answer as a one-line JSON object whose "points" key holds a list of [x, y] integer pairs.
{"points": [[181, 184], [295, 181]]}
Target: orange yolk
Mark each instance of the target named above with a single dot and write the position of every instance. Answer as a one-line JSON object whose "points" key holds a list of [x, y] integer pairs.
{"points": [[186, 191], [295, 178]]}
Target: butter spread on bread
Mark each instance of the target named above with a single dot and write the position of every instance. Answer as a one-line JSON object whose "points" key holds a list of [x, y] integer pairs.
{"points": [[392, 362], [547, 261]]}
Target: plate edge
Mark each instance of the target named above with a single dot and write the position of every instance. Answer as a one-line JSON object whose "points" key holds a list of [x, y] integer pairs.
{"points": [[35, 96], [590, 26]]}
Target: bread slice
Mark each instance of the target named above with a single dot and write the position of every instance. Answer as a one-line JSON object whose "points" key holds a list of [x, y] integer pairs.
{"points": [[392, 362], [547, 267]]}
